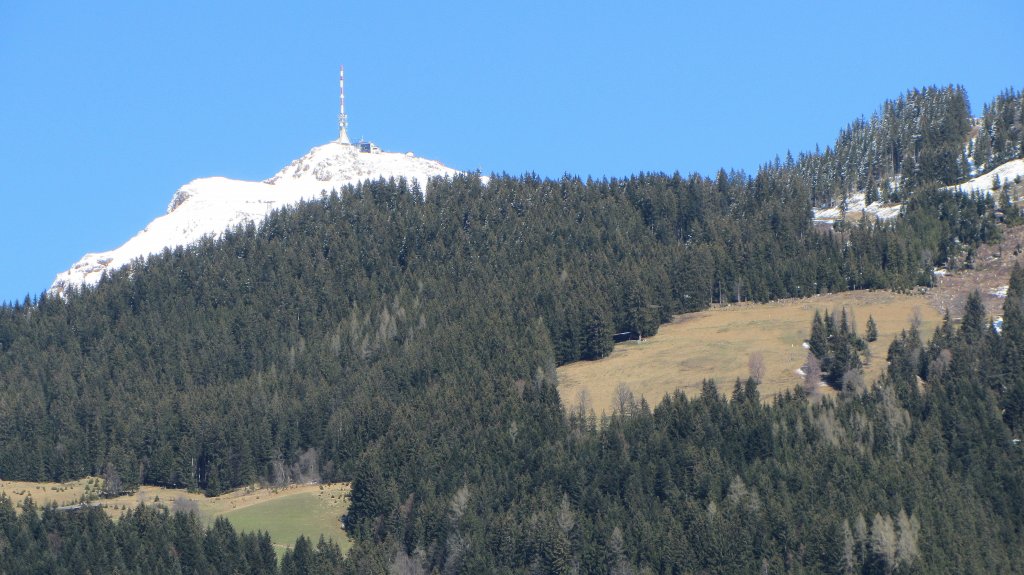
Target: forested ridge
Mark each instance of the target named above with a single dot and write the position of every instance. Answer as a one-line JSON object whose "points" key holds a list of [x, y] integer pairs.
{"points": [[1000, 136], [407, 342], [914, 141]]}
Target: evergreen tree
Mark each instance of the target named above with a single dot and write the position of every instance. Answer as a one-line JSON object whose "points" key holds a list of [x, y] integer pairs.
{"points": [[871, 333], [818, 342], [408, 344], [597, 341]]}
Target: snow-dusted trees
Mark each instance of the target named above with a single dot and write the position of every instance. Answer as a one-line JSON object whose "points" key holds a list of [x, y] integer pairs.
{"points": [[1000, 135], [913, 141]]}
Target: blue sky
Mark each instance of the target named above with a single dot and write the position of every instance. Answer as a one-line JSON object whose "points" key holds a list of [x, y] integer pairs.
{"points": [[108, 107]]}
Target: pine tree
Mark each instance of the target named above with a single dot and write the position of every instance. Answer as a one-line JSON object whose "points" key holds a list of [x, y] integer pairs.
{"points": [[818, 342], [597, 342], [871, 333], [973, 325]]}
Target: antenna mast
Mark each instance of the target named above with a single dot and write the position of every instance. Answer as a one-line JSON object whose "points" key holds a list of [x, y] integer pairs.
{"points": [[342, 117]]}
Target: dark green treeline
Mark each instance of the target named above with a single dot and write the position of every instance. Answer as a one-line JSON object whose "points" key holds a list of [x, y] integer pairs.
{"points": [[919, 475], [146, 541], [408, 343], [349, 319]]}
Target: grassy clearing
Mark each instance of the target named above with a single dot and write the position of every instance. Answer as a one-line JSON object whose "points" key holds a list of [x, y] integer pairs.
{"points": [[285, 513], [718, 343], [287, 517], [43, 493]]}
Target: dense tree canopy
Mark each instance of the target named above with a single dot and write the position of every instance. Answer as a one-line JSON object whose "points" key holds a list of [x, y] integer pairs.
{"points": [[407, 342], [1000, 136], [914, 142], [207, 365]]}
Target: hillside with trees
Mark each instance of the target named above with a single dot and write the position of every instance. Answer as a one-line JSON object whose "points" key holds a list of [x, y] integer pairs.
{"points": [[911, 143], [1000, 136], [407, 342]]}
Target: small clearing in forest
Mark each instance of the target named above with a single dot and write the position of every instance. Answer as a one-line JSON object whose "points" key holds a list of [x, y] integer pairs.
{"points": [[284, 512], [717, 344]]}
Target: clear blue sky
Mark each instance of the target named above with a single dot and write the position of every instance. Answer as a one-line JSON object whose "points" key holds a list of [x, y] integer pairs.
{"points": [[106, 108]]}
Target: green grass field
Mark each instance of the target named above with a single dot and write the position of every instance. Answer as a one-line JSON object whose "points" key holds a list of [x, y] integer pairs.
{"points": [[284, 513], [286, 518], [718, 343]]}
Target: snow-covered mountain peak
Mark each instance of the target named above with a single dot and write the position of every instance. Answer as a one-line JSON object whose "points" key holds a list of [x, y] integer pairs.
{"points": [[209, 206], [337, 162], [345, 163]]}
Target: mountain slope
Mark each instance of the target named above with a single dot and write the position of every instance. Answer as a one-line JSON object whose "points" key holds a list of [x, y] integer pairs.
{"points": [[856, 203], [211, 205], [1006, 173], [408, 345]]}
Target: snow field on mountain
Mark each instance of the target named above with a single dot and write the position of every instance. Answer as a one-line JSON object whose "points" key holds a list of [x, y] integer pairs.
{"points": [[1007, 172], [856, 203], [209, 206]]}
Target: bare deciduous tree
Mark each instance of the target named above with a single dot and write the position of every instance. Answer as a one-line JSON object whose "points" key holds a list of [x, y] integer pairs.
{"points": [[849, 560], [812, 375], [460, 501], [617, 550], [938, 366], [185, 505], [883, 541], [906, 546], [111, 481], [457, 547], [624, 400], [755, 365], [306, 469], [853, 382], [583, 405], [565, 517], [915, 318], [405, 564], [278, 473]]}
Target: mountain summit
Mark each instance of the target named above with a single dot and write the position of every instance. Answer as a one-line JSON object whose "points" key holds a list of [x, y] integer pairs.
{"points": [[212, 205]]}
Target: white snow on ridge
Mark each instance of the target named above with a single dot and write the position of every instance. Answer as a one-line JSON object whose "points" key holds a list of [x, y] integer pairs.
{"points": [[856, 204], [209, 206], [1007, 173]]}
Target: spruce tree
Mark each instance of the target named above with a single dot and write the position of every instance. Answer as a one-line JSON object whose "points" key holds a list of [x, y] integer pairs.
{"points": [[871, 333], [973, 325], [818, 342]]}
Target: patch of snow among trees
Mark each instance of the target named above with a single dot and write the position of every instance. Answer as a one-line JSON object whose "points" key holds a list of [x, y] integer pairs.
{"points": [[855, 204], [985, 183]]}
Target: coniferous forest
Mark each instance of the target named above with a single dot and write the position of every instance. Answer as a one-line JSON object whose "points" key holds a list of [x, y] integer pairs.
{"points": [[407, 342]]}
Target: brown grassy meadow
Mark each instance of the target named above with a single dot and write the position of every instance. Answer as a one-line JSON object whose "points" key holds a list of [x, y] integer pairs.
{"points": [[718, 343]]}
